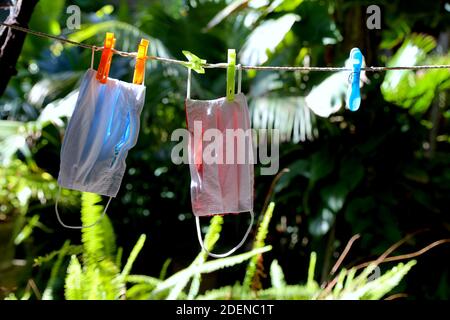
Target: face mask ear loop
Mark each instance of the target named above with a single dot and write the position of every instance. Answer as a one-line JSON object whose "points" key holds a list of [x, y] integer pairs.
{"points": [[92, 57], [239, 86], [78, 227], [188, 87], [222, 255]]}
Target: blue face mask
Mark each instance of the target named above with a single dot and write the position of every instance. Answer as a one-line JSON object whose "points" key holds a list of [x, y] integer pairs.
{"points": [[103, 128]]}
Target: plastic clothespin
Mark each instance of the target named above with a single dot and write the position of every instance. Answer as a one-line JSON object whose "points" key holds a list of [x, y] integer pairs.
{"points": [[105, 62], [353, 92], [141, 59], [231, 73]]}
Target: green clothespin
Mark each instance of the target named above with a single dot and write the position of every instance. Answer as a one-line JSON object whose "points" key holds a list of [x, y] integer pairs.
{"points": [[231, 73], [195, 63]]}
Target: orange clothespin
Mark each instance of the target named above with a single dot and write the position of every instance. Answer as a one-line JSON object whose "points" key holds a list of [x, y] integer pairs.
{"points": [[105, 62], [139, 70]]}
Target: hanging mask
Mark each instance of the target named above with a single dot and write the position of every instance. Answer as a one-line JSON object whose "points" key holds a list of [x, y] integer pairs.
{"points": [[221, 165], [103, 128]]}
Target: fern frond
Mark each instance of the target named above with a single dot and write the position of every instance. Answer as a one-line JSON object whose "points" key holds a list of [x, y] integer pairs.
{"points": [[259, 243], [93, 286], [349, 287], [277, 275], [208, 267], [140, 291], [212, 236], [98, 240], [119, 257], [99, 278], [112, 282], [74, 279], [377, 288], [141, 279], [311, 284], [133, 255], [223, 293], [163, 272], [70, 250], [289, 292], [48, 292], [340, 283]]}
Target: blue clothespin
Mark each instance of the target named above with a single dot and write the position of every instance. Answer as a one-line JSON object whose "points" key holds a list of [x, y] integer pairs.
{"points": [[353, 93]]}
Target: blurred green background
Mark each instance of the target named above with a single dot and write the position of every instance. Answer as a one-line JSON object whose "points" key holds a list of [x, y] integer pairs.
{"points": [[382, 172]]}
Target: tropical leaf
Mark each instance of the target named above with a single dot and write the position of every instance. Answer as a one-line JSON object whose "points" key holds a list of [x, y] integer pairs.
{"points": [[128, 37], [289, 115], [55, 111], [226, 12], [265, 38], [415, 90], [52, 86]]}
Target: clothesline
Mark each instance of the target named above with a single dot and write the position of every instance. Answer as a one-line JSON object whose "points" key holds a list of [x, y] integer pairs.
{"points": [[222, 65]]}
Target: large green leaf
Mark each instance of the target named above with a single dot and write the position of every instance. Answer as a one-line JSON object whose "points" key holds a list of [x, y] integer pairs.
{"points": [[415, 89], [289, 115], [265, 38]]}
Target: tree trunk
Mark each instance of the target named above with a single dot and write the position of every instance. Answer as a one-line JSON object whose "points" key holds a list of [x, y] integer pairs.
{"points": [[11, 41]]}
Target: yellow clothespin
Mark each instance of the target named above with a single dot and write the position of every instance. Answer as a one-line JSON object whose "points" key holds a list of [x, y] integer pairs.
{"points": [[139, 70]]}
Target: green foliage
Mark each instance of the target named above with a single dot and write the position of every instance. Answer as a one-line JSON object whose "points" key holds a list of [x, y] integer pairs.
{"points": [[69, 250], [133, 255], [54, 274], [311, 284], [380, 172], [98, 277], [276, 275], [73, 286], [263, 230], [22, 184], [99, 240], [364, 287], [176, 283], [415, 90]]}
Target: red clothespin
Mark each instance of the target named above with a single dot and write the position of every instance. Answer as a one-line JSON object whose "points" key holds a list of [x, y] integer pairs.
{"points": [[105, 62], [139, 70]]}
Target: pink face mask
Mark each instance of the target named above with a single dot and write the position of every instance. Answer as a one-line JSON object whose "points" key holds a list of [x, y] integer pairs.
{"points": [[220, 159]]}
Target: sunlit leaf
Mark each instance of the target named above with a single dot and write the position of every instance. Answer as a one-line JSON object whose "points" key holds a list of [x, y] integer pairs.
{"points": [[289, 115], [52, 86], [56, 111], [265, 38], [415, 89]]}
